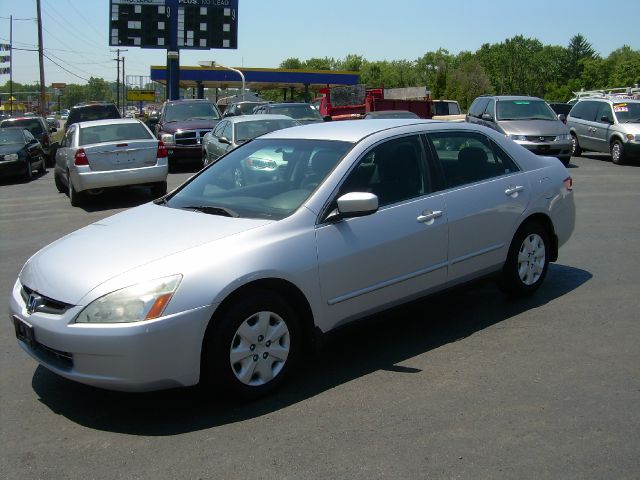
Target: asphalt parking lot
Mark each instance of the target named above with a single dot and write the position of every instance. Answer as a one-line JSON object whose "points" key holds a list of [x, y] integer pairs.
{"points": [[466, 384]]}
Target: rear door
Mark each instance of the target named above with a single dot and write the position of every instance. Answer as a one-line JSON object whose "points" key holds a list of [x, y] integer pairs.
{"points": [[485, 196]]}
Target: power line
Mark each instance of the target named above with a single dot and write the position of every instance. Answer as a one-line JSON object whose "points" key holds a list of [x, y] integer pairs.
{"points": [[68, 71]]}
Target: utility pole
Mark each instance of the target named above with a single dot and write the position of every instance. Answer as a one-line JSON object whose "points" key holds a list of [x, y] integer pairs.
{"points": [[11, 65], [124, 87], [43, 101], [118, 76]]}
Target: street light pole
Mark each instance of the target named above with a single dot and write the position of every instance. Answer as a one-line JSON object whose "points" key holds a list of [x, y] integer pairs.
{"points": [[211, 63]]}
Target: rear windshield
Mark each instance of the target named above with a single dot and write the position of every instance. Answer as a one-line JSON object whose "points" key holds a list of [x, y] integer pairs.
{"points": [[524, 110], [92, 112], [299, 112], [31, 124], [10, 136], [114, 133]]}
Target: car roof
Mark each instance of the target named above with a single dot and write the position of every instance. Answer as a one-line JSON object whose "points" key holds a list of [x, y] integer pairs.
{"points": [[258, 116], [355, 130]]}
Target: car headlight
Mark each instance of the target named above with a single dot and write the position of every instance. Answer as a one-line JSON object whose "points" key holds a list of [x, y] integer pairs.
{"points": [[167, 138], [561, 138], [521, 138], [11, 157], [144, 301]]}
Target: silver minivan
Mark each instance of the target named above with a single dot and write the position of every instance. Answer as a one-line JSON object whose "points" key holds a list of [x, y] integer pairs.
{"points": [[528, 121], [606, 124]]}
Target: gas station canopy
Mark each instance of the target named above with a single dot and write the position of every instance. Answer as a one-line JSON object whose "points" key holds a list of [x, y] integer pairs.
{"points": [[256, 78]]}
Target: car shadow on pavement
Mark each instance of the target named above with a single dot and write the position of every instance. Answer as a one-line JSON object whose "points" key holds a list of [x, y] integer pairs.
{"points": [[348, 354], [605, 157]]}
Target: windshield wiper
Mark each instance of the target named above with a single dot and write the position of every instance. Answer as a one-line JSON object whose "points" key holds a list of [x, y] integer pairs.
{"points": [[213, 210]]}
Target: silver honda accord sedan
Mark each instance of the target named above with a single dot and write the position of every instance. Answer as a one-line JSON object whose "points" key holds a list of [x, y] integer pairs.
{"points": [[228, 285]]}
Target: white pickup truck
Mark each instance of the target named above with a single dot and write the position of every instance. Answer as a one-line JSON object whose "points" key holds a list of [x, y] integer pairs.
{"points": [[448, 110]]}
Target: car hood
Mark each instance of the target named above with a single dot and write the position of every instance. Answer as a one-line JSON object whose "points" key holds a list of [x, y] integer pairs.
{"points": [[533, 127], [69, 268], [172, 127], [632, 128], [11, 148]]}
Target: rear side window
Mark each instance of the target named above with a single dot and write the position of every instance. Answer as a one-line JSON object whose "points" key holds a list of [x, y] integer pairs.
{"points": [[478, 106], [585, 110], [468, 157]]}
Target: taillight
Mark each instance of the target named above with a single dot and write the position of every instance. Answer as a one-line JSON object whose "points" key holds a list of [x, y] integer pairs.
{"points": [[80, 158], [162, 150], [568, 183], [45, 139]]}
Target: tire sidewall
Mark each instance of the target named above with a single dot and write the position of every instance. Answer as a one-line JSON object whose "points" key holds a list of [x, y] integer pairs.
{"points": [[510, 280], [216, 371], [575, 146], [620, 159]]}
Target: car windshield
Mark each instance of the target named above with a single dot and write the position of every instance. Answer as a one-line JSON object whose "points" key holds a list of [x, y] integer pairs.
{"points": [[524, 110], [114, 132], [628, 112], [8, 137], [31, 124], [299, 112], [246, 108], [177, 112], [247, 130], [265, 178]]}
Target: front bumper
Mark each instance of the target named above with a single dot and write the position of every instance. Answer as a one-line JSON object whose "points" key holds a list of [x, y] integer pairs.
{"points": [[83, 178], [561, 150], [632, 149], [140, 356], [10, 168], [184, 151]]}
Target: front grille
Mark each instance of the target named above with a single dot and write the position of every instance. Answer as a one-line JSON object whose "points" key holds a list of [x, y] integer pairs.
{"points": [[43, 304], [541, 139], [190, 137]]}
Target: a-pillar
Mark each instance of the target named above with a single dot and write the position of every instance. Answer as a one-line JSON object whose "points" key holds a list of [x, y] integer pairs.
{"points": [[200, 89]]}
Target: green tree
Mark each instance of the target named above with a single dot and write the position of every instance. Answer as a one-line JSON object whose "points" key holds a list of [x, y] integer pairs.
{"points": [[467, 82], [291, 64], [578, 51]]}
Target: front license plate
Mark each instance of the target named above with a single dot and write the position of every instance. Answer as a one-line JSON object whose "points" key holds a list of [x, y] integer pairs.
{"points": [[24, 331]]}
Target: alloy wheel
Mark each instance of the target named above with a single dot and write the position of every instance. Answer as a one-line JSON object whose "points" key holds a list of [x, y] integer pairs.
{"points": [[531, 259]]}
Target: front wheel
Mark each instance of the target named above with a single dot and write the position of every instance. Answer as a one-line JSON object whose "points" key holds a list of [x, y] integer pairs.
{"points": [[251, 346], [527, 262], [617, 152]]}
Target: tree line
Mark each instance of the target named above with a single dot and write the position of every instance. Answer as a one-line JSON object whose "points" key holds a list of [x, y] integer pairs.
{"points": [[517, 65]]}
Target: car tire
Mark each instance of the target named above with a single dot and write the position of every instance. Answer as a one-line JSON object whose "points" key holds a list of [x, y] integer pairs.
{"points": [[43, 166], [159, 189], [251, 346], [576, 151], [62, 188], [75, 197], [527, 261], [617, 152]]}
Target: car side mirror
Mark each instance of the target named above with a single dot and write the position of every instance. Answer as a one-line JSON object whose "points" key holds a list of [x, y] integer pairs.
{"points": [[151, 121], [606, 119], [562, 117], [488, 117], [224, 140], [355, 204], [53, 129]]}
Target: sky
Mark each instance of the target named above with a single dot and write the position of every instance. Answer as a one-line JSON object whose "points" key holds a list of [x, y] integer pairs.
{"points": [[75, 32]]}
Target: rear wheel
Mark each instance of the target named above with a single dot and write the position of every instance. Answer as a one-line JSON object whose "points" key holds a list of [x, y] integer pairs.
{"points": [[576, 151], [617, 152], [75, 197], [62, 188], [527, 262], [28, 175], [251, 346], [43, 166]]}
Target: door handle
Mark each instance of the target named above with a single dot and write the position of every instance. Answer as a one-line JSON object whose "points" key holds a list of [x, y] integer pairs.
{"points": [[428, 216], [513, 189]]}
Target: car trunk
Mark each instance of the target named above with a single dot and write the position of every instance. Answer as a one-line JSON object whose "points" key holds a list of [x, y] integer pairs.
{"points": [[122, 155]]}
